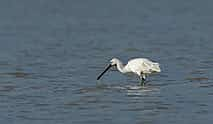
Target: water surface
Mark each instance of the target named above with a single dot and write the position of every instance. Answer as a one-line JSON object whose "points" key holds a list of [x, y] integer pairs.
{"points": [[52, 51]]}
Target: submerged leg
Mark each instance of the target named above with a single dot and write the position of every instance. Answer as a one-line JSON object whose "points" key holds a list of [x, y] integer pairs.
{"points": [[143, 79]]}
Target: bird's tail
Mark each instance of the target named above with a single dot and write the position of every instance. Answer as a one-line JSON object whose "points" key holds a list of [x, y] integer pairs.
{"points": [[156, 67]]}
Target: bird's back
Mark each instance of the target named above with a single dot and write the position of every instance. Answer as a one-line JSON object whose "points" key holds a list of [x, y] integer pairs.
{"points": [[144, 65]]}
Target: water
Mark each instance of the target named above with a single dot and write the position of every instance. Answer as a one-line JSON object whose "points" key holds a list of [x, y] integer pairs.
{"points": [[52, 51]]}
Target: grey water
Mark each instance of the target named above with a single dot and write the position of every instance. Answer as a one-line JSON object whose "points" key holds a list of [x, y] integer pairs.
{"points": [[51, 52]]}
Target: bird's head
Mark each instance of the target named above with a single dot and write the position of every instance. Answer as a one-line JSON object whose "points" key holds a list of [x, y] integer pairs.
{"points": [[114, 61]]}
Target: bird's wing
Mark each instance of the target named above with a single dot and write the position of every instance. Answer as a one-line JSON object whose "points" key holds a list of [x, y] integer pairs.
{"points": [[152, 66]]}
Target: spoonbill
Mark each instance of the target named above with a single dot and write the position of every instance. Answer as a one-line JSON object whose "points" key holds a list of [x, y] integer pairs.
{"points": [[139, 66]]}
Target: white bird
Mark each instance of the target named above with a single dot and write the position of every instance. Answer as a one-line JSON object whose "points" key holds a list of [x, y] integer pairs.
{"points": [[139, 66]]}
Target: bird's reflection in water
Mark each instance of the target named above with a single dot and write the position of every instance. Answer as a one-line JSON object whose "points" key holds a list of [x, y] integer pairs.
{"points": [[134, 89]]}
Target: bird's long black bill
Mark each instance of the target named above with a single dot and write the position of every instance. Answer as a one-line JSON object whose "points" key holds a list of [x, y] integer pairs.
{"points": [[108, 67]]}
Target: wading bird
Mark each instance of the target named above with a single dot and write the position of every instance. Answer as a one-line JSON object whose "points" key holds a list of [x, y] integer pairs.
{"points": [[139, 66]]}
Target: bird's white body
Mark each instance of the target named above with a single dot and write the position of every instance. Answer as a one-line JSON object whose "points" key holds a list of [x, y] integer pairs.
{"points": [[139, 66]]}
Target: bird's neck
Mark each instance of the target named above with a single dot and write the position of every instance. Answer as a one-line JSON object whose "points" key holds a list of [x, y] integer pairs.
{"points": [[121, 67]]}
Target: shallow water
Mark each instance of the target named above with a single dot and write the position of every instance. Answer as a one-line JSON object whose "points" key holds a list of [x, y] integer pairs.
{"points": [[52, 51]]}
